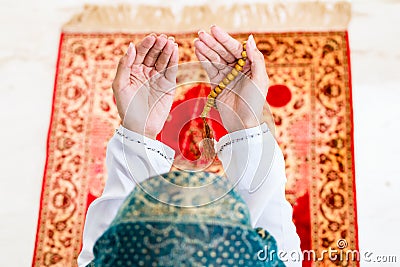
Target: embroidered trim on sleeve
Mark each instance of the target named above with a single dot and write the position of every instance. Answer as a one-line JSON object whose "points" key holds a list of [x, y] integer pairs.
{"points": [[145, 145], [237, 140]]}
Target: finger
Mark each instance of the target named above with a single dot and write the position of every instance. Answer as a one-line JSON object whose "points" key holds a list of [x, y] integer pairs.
{"points": [[216, 46], [143, 48], [232, 45], [164, 57], [124, 67], [210, 54], [258, 70], [172, 67], [155, 51], [211, 70]]}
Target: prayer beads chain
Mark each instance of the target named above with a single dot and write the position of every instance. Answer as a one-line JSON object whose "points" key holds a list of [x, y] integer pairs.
{"points": [[222, 85], [209, 151]]}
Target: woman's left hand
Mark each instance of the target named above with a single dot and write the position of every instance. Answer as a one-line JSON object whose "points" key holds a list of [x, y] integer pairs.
{"points": [[241, 103]]}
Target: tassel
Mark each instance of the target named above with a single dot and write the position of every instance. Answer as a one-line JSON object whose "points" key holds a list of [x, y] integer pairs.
{"points": [[208, 141], [271, 16]]}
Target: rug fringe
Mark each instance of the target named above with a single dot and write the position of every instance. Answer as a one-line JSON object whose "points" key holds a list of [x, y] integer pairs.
{"points": [[266, 17]]}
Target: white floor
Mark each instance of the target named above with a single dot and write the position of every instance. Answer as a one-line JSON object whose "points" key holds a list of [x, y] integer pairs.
{"points": [[28, 50]]}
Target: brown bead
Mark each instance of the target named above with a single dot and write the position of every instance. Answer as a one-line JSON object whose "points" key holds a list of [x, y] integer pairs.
{"points": [[234, 72], [217, 90], [213, 94], [222, 85], [244, 54], [226, 81], [238, 67], [241, 62], [244, 46]]}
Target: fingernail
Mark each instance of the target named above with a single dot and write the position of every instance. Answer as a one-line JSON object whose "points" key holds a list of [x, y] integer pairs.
{"points": [[163, 35], [153, 34], [200, 32], [253, 42], [129, 51], [251, 38], [250, 47], [213, 25], [250, 44], [171, 38], [195, 40]]}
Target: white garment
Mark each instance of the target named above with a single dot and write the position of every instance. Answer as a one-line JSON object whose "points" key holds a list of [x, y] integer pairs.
{"points": [[250, 157]]}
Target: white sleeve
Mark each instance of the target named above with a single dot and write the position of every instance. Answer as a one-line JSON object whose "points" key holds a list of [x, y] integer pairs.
{"points": [[131, 158], [254, 161]]}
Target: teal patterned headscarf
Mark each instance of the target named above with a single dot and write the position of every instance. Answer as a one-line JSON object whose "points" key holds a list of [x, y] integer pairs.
{"points": [[183, 219]]}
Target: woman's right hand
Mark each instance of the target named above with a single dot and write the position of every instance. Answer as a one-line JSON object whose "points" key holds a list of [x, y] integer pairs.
{"points": [[144, 85]]}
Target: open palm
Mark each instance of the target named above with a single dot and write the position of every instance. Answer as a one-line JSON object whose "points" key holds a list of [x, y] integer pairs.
{"points": [[144, 85]]}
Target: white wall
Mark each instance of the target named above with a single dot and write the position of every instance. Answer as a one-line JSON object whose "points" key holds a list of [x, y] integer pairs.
{"points": [[28, 49]]}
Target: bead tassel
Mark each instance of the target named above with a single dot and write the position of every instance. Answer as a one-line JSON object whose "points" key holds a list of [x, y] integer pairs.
{"points": [[208, 138]]}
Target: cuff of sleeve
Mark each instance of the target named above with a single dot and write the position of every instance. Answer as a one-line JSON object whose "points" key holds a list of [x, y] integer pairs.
{"points": [[250, 135], [155, 147]]}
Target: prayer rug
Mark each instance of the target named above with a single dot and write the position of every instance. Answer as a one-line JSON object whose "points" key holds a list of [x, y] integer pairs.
{"points": [[309, 96]]}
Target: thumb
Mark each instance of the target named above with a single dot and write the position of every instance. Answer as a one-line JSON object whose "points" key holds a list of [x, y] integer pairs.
{"points": [[256, 58], [124, 68]]}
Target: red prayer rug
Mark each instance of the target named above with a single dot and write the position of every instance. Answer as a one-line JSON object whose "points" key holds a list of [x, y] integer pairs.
{"points": [[309, 96]]}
